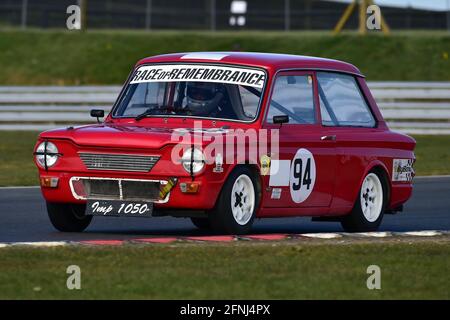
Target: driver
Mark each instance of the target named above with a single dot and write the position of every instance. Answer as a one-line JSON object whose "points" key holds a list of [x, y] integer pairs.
{"points": [[203, 97]]}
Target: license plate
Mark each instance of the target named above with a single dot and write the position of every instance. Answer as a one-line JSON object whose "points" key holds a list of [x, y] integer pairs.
{"points": [[119, 208]]}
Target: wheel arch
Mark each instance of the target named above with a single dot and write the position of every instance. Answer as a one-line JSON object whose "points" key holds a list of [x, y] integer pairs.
{"points": [[255, 169], [221, 217], [380, 169]]}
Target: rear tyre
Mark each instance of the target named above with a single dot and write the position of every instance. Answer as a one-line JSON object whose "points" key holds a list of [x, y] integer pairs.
{"points": [[368, 210], [67, 217], [201, 223], [236, 206]]}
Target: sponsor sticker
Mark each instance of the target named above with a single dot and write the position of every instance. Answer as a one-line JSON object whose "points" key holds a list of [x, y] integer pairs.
{"points": [[165, 189], [276, 193], [402, 170], [199, 73], [265, 165], [219, 164]]}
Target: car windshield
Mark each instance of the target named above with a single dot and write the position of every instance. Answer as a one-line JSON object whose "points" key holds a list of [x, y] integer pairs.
{"points": [[219, 92]]}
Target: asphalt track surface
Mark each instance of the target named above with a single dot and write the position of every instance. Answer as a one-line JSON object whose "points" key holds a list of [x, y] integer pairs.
{"points": [[23, 217]]}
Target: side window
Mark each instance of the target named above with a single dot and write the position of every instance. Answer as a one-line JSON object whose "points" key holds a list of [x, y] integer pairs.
{"points": [[250, 102], [341, 101], [293, 96]]}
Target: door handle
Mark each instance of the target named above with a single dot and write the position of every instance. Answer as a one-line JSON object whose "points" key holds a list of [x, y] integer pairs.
{"points": [[328, 138]]}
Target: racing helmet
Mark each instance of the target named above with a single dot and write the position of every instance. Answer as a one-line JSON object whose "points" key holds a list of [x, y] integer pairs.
{"points": [[201, 96]]}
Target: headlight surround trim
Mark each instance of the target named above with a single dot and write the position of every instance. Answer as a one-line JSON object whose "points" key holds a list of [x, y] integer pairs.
{"points": [[47, 154], [193, 160]]}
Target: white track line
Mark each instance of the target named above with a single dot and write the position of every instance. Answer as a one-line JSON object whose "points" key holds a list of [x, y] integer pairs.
{"points": [[425, 233], [321, 235], [41, 243], [382, 234]]}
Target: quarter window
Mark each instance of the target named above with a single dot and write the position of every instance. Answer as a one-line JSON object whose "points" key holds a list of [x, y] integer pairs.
{"points": [[341, 101], [293, 96]]}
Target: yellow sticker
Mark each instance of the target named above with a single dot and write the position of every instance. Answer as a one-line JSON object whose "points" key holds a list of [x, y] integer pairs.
{"points": [[265, 165], [165, 189]]}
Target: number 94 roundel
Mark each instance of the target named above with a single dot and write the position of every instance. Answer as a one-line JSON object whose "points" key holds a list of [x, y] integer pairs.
{"points": [[303, 175]]}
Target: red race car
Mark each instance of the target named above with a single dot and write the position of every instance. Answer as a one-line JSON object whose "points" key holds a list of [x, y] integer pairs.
{"points": [[227, 137]]}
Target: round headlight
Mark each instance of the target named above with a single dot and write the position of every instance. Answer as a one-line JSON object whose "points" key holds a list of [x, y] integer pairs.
{"points": [[46, 154], [193, 159]]}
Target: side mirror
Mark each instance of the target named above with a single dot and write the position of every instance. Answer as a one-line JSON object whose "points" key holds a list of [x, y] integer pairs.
{"points": [[97, 113], [281, 119]]}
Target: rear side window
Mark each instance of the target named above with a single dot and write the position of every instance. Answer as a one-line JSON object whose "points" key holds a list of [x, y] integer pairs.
{"points": [[293, 96], [342, 102]]}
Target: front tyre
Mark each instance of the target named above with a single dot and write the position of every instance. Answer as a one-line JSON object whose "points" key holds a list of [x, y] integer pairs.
{"points": [[368, 210], [236, 206], [67, 217]]}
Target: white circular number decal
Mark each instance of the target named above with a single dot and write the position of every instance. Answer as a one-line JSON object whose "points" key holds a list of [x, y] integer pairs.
{"points": [[303, 175]]}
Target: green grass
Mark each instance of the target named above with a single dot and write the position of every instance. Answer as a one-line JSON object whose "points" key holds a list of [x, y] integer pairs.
{"points": [[247, 271], [17, 167], [16, 158], [432, 155], [106, 57]]}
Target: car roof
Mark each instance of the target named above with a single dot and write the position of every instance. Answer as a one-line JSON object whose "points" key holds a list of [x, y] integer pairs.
{"points": [[273, 61]]}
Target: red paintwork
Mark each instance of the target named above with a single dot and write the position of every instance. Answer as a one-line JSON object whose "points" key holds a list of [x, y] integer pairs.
{"points": [[212, 238], [341, 164], [104, 242], [157, 240], [267, 237]]}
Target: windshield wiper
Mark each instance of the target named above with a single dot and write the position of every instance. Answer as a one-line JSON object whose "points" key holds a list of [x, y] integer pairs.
{"points": [[144, 114], [148, 112]]}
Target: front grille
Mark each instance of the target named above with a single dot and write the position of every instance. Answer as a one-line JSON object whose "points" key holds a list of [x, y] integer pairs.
{"points": [[98, 189], [118, 162], [119, 189], [135, 190]]}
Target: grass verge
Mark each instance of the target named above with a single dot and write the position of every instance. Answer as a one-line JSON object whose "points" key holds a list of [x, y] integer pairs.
{"points": [[432, 155], [409, 270], [106, 57], [17, 167]]}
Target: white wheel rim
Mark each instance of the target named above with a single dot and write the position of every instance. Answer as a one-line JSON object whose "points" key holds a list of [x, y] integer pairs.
{"points": [[371, 197], [242, 199]]}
